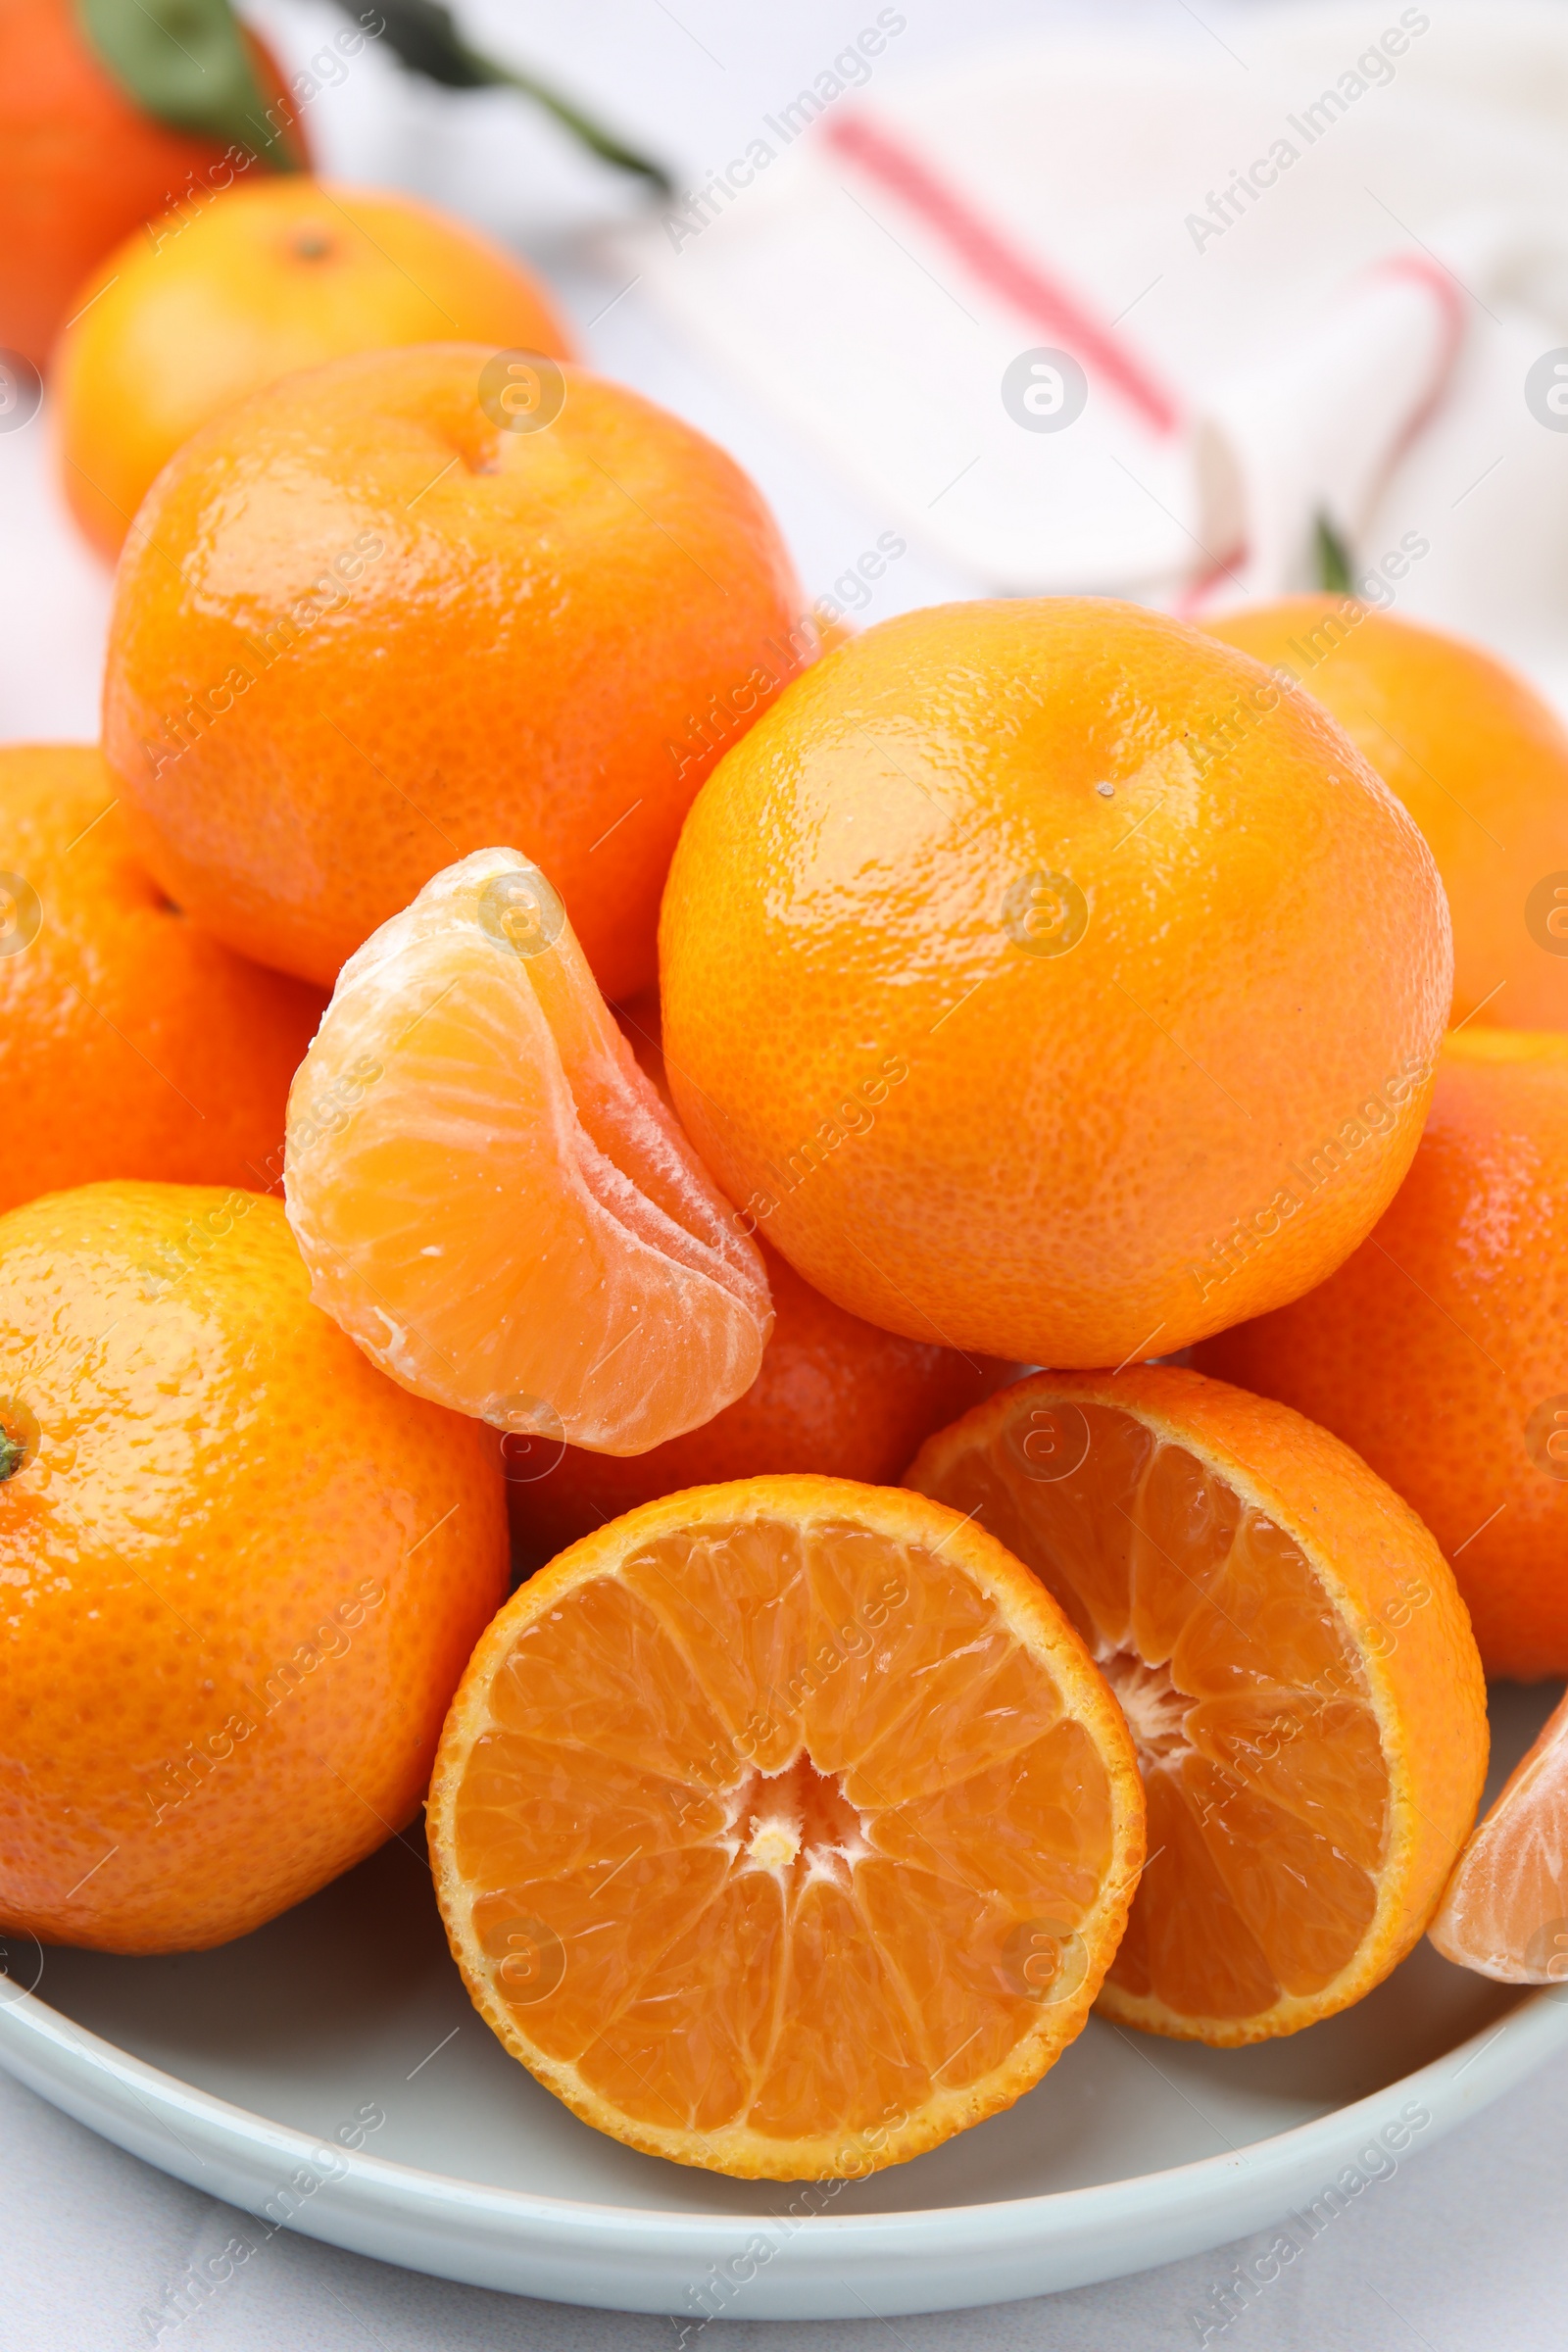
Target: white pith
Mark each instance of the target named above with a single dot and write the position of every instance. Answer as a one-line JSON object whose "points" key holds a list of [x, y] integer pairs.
{"points": [[1156, 1710]]}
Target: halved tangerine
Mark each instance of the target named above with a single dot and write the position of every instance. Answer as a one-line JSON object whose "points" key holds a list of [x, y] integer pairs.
{"points": [[785, 1827], [491, 1198], [1295, 1666], [1504, 1912]]}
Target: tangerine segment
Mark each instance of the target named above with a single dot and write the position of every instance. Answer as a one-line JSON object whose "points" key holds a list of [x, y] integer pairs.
{"points": [[1504, 1912], [785, 1827], [1295, 1663], [491, 1198]]}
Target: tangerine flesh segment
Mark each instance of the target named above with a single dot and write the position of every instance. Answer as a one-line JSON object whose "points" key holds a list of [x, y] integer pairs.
{"points": [[1058, 1495], [1267, 1782], [1505, 1911], [785, 1827], [748, 1591], [491, 1198]]}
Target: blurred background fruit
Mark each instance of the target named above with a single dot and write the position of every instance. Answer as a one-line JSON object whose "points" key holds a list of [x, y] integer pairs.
{"points": [[187, 316], [248, 1569], [1482, 764], [1047, 982], [454, 609], [1295, 1667], [131, 1044], [1440, 1350], [85, 156], [491, 1197]]}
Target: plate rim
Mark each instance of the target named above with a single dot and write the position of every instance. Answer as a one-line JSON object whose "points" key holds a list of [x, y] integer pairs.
{"points": [[646, 2259]]}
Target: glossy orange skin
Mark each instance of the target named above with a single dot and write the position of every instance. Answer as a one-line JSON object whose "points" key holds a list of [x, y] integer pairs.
{"points": [[1440, 1349], [973, 1115], [209, 304], [130, 1043], [240, 1574], [1480, 761], [835, 1396], [81, 166], [529, 660]]}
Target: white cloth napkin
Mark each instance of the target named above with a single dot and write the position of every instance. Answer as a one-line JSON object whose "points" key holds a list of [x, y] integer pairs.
{"points": [[1307, 275]]}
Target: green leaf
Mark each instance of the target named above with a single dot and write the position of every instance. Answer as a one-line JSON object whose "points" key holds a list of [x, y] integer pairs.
{"points": [[1333, 557], [185, 62], [13, 1453], [424, 35]]}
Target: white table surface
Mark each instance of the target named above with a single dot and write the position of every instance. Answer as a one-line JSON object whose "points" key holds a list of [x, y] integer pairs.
{"points": [[1465, 2249]]}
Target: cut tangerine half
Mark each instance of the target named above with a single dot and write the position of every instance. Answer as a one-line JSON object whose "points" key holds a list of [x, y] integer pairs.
{"points": [[1504, 1912], [785, 1827], [1295, 1663], [491, 1198]]}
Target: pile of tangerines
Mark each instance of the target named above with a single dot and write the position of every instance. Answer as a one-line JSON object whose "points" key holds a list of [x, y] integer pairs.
{"points": [[748, 1060]]}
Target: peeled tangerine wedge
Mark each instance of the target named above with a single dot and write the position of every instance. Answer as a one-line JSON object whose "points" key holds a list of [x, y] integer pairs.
{"points": [[1295, 1663], [491, 1198], [784, 1827], [1505, 1910]]}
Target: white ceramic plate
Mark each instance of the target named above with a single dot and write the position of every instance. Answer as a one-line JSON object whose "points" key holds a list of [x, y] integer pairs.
{"points": [[244, 2071]]}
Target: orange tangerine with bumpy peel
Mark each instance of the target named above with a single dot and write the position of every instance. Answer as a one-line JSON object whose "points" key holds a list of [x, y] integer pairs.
{"points": [[240, 1573], [1481, 761], [389, 610], [1049, 981], [493, 1199], [1440, 1349]]}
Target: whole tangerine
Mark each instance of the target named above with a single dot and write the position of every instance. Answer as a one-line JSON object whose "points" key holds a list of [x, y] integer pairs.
{"points": [[386, 612], [241, 1573], [1480, 761], [1044, 978], [130, 1043], [1440, 1349]]}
